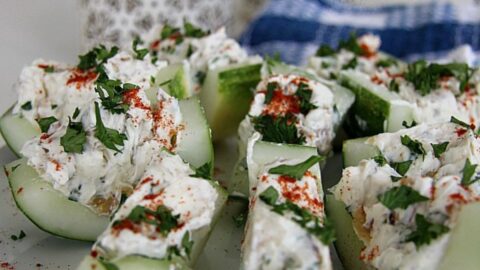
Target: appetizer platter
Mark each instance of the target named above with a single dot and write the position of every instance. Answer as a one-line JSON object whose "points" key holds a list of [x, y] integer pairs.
{"points": [[184, 152]]}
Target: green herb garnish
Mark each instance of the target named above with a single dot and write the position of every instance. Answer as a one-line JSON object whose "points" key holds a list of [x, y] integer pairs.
{"points": [[351, 64], [351, 44], [239, 220], [439, 148], [401, 167], [386, 62], [380, 160], [426, 231], [203, 171], [296, 171], [278, 129], [459, 122], [394, 86], [406, 125], [74, 138], [468, 172], [271, 87], [415, 146], [193, 31], [162, 218], [109, 137], [27, 106], [45, 123], [139, 53], [96, 57], [400, 197], [325, 50], [304, 94]]}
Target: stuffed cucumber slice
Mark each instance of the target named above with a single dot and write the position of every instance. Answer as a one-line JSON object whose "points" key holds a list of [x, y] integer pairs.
{"points": [[170, 214], [291, 109], [286, 224], [412, 202], [226, 95], [175, 79]]}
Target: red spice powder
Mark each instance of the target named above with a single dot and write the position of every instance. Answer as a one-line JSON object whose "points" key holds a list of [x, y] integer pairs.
{"points": [[282, 104], [80, 78], [460, 131], [131, 97]]}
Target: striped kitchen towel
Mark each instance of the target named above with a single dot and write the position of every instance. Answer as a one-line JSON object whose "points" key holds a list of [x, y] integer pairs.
{"points": [[431, 30]]}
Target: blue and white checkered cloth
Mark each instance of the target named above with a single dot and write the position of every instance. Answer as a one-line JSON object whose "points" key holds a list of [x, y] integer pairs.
{"points": [[295, 28]]}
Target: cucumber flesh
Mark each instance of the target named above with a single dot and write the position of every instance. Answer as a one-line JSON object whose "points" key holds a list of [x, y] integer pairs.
{"points": [[132, 263], [175, 80], [356, 150], [376, 109], [16, 131], [464, 242], [347, 244], [226, 96], [48, 208]]}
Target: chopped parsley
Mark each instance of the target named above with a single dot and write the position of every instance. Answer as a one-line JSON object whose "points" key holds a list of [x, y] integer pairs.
{"points": [[304, 94], [459, 122], [193, 31], [74, 138], [468, 172], [139, 53], [351, 64], [400, 197], [296, 171], [278, 129], [426, 231], [47, 68], [380, 160], [394, 86], [425, 76], [415, 146], [113, 101], [20, 236], [351, 44], [386, 62], [401, 167], [96, 57], [45, 123], [325, 50], [109, 137], [301, 216], [170, 32], [162, 218], [187, 244], [406, 125], [271, 87], [76, 113], [27, 106], [203, 171], [439, 148]]}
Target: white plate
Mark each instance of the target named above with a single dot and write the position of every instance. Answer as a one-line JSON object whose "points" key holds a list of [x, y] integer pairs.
{"points": [[39, 250]]}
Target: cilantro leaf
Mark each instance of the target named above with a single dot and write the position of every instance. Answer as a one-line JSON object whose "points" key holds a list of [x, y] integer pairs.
{"points": [[203, 171], [271, 87], [325, 50], [304, 94], [170, 32], [139, 53], [278, 129], [96, 57], [74, 138], [400, 197], [439, 148], [162, 218], [269, 196], [27, 106], [109, 137], [45, 123], [298, 170], [459, 122], [426, 231], [193, 31], [468, 172], [20, 236], [415, 146], [113, 101]]}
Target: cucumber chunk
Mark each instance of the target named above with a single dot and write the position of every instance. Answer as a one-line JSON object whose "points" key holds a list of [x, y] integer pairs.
{"points": [[48, 208], [226, 96], [131, 263], [17, 130], [175, 80], [356, 150], [376, 109], [347, 244]]}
